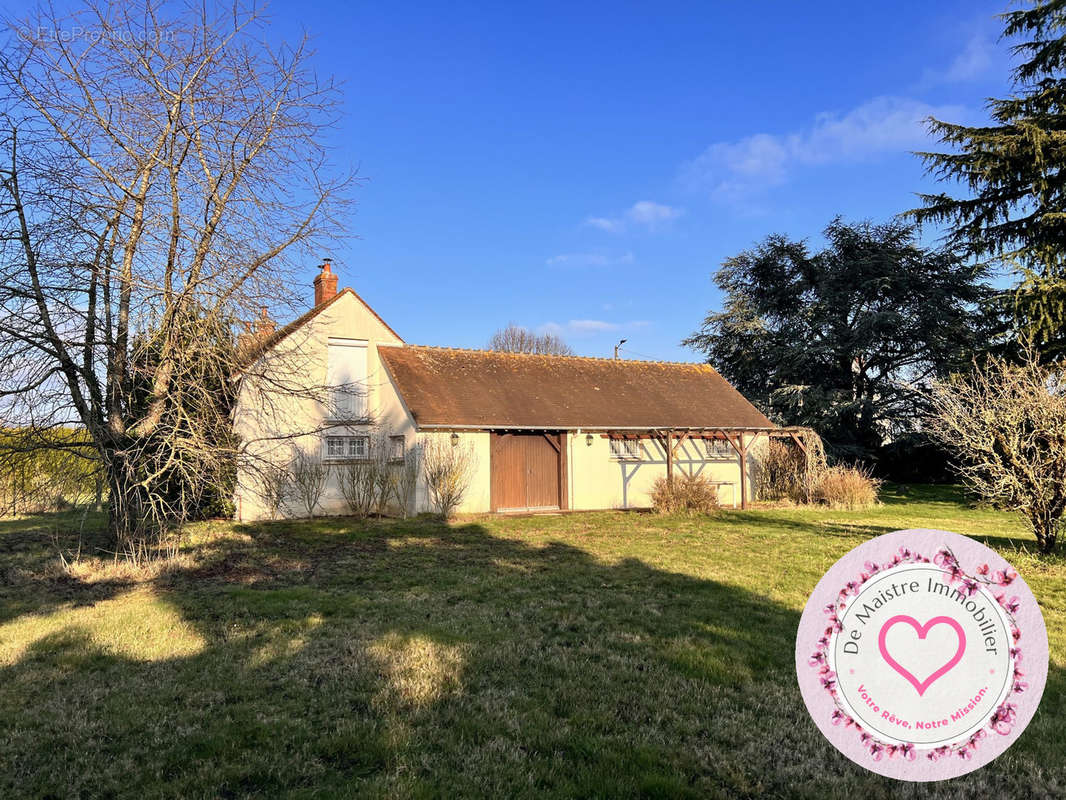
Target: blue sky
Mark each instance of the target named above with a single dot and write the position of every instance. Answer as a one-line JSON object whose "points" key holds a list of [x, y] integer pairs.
{"points": [[585, 167]]}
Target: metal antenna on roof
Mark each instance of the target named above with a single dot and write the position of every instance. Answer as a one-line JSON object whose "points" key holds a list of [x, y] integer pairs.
{"points": [[620, 343]]}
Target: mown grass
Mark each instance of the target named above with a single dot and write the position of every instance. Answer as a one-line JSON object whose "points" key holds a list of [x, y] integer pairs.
{"points": [[600, 654]]}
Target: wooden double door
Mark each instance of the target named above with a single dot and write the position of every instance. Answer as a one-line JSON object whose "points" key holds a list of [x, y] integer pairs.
{"points": [[528, 471]]}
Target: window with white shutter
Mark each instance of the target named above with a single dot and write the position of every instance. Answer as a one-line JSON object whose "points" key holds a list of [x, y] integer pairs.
{"points": [[346, 378]]}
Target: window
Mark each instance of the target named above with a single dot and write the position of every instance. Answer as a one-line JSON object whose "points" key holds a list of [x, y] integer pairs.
{"points": [[625, 448], [358, 447], [347, 447], [396, 448], [718, 449], [334, 447], [346, 377]]}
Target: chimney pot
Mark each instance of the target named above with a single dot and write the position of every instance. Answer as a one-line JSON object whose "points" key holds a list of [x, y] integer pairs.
{"points": [[325, 284], [264, 326]]}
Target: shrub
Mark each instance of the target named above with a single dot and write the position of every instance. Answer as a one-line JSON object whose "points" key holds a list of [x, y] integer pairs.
{"points": [[275, 487], [448, 468], [1006, 425], [780, 472], [406, 483], [687, 494], [308, 475], [847, 487], [358, 485]]}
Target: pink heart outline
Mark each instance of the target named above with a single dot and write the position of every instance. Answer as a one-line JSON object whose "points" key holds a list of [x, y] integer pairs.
{"points": [[921, 630]]}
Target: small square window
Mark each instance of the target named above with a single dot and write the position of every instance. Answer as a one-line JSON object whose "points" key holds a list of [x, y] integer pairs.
{"points": [[396, 448], [718, 448], [358, 447], [334, 446], [628, 449]]}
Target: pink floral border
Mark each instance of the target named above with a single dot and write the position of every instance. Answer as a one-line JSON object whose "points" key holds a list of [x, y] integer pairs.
{"points": [[1002, 719]]}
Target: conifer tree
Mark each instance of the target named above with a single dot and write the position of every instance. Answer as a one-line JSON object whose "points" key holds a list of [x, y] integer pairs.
{"points": [[1013, 168]]}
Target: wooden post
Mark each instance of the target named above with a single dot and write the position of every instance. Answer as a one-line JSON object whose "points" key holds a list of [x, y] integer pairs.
{"points": [[743, 472], [798, 441], [670, 458]]}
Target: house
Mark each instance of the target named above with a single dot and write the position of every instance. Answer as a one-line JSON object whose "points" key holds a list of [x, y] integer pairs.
{"points": [[546, 432]]}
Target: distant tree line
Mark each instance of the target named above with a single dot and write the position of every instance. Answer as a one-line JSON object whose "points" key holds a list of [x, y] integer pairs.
{"points": [[516, 339]]}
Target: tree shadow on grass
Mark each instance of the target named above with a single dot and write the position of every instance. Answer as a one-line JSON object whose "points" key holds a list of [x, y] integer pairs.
{"points": [[339, 658]]}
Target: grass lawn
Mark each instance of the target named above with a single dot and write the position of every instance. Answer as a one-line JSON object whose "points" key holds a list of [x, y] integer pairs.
{"points": [[599, 654]]}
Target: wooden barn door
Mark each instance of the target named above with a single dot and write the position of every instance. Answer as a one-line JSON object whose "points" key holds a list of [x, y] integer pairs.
{"points": [[526, 471]]}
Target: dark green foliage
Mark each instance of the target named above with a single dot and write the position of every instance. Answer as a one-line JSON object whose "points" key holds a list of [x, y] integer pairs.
{"points": [[844, 340], [191, 456], [1012, 168], [915, 458]]}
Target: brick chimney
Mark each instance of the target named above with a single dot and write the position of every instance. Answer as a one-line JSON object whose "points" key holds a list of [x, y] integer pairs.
{"points": [[264, 326], [325, 284]]}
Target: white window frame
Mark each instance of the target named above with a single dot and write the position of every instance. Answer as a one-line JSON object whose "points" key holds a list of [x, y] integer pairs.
{"points": [[347, 447], [718, 450], [397, 448], [358, 447], [348, 400], [626, 449]]}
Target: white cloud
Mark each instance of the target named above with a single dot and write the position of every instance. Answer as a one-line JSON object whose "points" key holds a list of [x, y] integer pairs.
{"points": [[589, 259], [882, 125], [648, 213], [972, 62], [977, 58], [644, 214], [605, 224]]}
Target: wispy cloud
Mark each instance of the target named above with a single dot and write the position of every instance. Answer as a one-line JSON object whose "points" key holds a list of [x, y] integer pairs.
{"points": [[590, 327], [589, 259], [606, 224], [882, 125], [981, 55], [642, 214]]}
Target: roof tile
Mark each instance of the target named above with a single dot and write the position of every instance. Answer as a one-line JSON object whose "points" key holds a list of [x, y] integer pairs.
{"points": [[444, 386]]}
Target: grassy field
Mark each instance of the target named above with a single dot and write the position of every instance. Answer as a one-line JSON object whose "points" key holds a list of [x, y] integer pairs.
{"points": [[600, 654]]}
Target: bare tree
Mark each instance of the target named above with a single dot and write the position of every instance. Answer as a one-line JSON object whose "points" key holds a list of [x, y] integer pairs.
{"points": [[369, 483], [308, 475], [407, 475], [163, 172], [276, 483], [1006, 423], [358, 486], [516, 339], [448, 467]]}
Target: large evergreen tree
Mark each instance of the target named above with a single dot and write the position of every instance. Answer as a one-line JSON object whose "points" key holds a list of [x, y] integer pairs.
{"points": [[846, 339], [1013, 169]]}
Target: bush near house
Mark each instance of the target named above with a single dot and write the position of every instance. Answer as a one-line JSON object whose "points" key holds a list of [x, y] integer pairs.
{"points": [[686, 494], [779, 473], [448, 467], [852, 488]]}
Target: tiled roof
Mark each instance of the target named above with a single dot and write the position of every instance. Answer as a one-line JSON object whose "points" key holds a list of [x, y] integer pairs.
{"points": [[443, 386]]}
